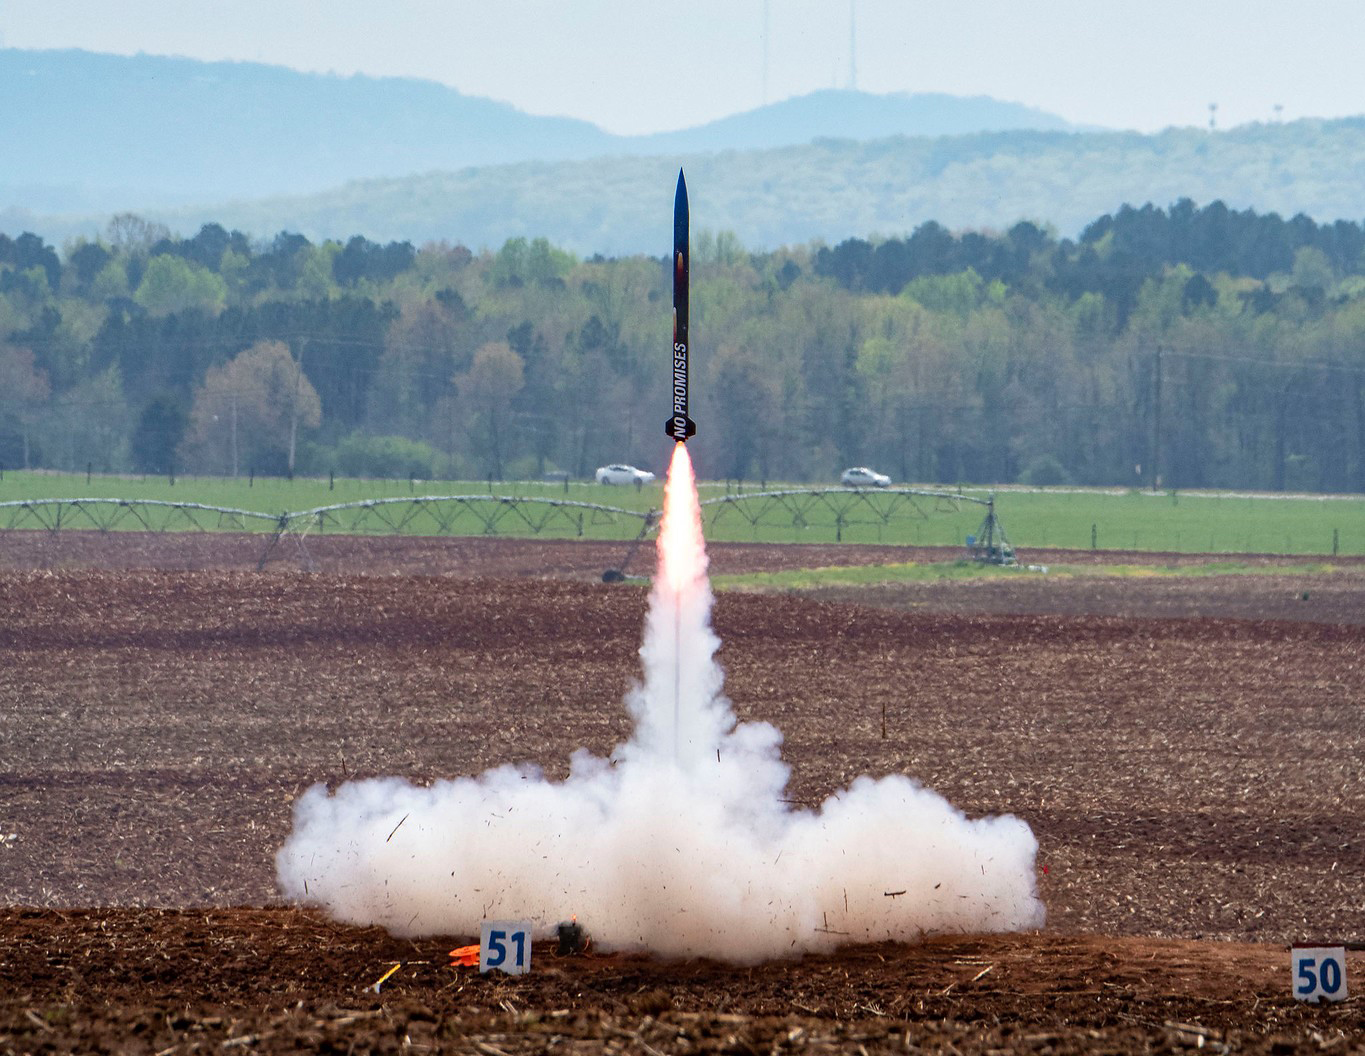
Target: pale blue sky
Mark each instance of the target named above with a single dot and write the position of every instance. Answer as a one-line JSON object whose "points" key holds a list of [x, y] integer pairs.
{"points": [[636, 66]]}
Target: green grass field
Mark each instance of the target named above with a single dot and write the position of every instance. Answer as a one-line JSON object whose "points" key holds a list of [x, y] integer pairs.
{"points": [[1214, 523], [1068, 519]]}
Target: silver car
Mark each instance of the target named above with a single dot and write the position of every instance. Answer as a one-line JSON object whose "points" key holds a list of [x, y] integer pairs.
{"points": [[620, 474], [862, 477]]}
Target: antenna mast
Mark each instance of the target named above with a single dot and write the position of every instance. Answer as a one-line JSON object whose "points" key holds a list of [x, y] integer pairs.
{"points": [[765, 51], [853, 45]]}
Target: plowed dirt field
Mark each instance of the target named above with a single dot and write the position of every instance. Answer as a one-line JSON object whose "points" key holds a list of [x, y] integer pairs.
{"points": [[1186, 750]]}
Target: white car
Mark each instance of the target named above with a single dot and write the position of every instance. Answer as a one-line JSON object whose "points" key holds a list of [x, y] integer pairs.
{"points": [[623, 475], [862, 477]]}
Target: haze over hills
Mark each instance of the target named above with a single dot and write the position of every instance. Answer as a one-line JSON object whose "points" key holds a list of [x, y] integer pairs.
{"points": [[106, 132], [263, 150], [109, 132], [829, 190], [840, 113]]}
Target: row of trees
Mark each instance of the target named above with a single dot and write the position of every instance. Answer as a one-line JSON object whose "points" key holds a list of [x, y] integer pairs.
{"points": [[1186, 347]]}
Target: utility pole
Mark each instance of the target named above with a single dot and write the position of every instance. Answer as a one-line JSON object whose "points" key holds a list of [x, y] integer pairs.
{"points": [[1156, 425], [294, 403]]}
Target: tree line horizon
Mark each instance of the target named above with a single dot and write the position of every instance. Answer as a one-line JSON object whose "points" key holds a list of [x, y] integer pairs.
{"points": [[1171, 347]]}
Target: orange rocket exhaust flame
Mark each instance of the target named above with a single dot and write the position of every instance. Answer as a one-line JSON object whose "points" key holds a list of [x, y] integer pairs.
{"points": [[682, 548], [682, 565]]}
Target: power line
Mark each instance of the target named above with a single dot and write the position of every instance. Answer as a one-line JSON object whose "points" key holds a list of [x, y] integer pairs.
{"points": [[1283, 364]]}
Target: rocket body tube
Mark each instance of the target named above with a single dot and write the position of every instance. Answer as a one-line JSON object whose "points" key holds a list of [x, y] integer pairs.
{"points": [[678, 425]]}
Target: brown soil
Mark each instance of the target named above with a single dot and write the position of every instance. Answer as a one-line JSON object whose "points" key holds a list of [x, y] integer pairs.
{"points": [[1187, 752]]}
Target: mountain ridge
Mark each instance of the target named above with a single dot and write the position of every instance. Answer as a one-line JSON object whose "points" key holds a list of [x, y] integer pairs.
{"points": [[823, 192], [828, 189], [117, 132]]}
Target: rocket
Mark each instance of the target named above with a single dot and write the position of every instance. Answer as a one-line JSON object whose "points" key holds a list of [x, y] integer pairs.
{"points": [[678, 425]]}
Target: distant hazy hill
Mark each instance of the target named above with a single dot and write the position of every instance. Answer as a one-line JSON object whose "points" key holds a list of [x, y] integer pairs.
{"points": [[125, 132], [263, 150], [851, 115], [835, 189], [86, 132]]}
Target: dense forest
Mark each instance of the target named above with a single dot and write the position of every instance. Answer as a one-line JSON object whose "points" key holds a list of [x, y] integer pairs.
{"points": [[1182, 347]]}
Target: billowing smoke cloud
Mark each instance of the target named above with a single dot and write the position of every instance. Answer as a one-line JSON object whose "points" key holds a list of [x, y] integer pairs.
{"points": [[681, 843]]}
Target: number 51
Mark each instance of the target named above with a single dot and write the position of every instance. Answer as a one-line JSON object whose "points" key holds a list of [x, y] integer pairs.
{"points": [[506, 946]]}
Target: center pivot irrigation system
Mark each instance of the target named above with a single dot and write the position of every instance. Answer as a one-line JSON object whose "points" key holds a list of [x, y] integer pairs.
{"points": [[763, 512], [792, 509]]}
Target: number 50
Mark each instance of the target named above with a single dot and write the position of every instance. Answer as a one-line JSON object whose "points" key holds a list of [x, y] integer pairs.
{"points": [[1319, 973]]}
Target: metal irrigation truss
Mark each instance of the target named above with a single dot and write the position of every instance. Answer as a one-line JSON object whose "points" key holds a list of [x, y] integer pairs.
{"points": [[488, 515], [847, 507], [453, 515], [110, 515], [456, 514]]}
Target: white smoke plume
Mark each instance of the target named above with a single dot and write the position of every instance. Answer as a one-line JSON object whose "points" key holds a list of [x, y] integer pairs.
{"points": [[680, 844]]}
